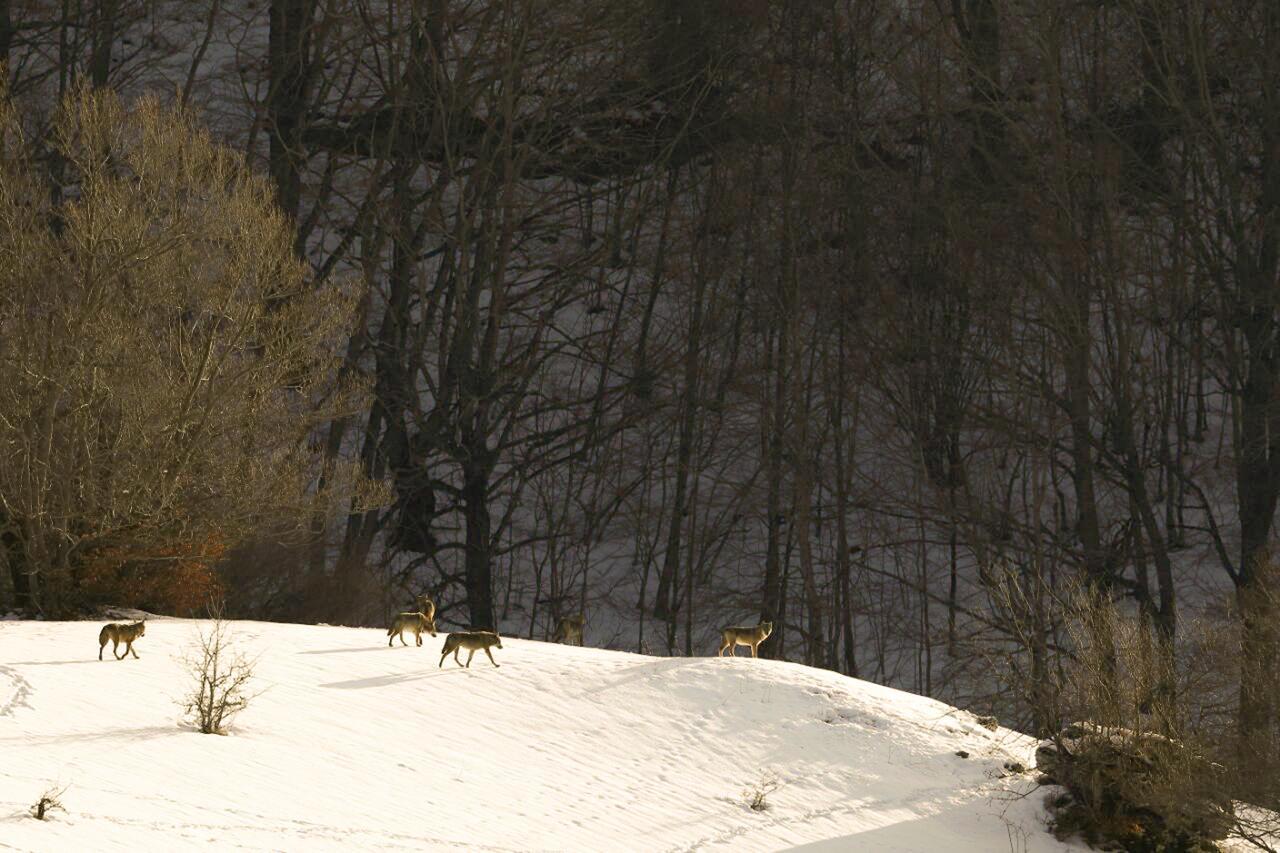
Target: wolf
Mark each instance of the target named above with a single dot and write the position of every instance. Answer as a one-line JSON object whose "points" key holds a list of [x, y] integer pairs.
{"points": [[121, 632], [415, 622], [426, 606], [569, 629], [731, 638], [473, 641]]}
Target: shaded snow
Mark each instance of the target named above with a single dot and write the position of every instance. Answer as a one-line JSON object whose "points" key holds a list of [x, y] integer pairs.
{"points": [[354, 745]]}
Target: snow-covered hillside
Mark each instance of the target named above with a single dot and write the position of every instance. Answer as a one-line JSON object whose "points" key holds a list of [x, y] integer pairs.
{"points": [[357, 746]]}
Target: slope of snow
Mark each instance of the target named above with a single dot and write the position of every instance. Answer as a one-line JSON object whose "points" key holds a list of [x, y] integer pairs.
{"points": [[356, 746]]}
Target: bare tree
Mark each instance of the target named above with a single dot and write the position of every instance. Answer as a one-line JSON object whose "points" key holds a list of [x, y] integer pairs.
{"points": [[163, 356]]}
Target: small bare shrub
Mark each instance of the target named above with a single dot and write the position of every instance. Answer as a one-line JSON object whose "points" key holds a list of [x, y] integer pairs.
{"points": [[221, 677], [50, 800], [757, 792]]}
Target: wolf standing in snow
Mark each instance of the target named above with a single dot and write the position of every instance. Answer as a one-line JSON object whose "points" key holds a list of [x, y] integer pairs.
{"points": [[731, 638], [415, 622], [569, 629], [473, 641], [120, 632]]}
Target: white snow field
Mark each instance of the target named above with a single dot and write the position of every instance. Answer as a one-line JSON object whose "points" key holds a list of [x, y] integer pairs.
{"points": [[355, 746]]}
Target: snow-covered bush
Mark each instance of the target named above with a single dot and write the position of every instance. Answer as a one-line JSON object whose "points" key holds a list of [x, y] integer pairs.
{"points": [[1141, 790]]}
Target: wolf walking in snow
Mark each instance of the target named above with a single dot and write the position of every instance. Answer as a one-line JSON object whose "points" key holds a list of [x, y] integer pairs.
{"points": [[121, 632], [473, 641], [731, 638], [569, 629], [415, 622]]}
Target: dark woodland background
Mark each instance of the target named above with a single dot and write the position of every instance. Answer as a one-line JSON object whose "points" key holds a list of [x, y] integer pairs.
{"points": [[923, 329]]}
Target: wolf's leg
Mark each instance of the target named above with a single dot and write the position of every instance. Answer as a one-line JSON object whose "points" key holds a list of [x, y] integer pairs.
{"points": [[490, 654]]}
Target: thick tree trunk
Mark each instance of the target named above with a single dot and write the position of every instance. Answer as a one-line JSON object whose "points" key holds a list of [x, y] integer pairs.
{"points": [[773, 604], [814, 648], [15, 558], [1258, 457], [775, 423], [103, 39], [805, 475], [844, 552], [684, 454], [478, 561], [978, 24], [384, 448], [1259, 657], [1258, 487], [288, 48], [6, 33], [1079, 391]]}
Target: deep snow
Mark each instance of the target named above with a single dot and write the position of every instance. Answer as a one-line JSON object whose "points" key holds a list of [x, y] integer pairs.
{"points": [[353, 745]]}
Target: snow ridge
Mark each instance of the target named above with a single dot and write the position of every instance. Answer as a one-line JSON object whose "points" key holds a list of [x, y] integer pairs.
{"points": [[356, 745]]}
